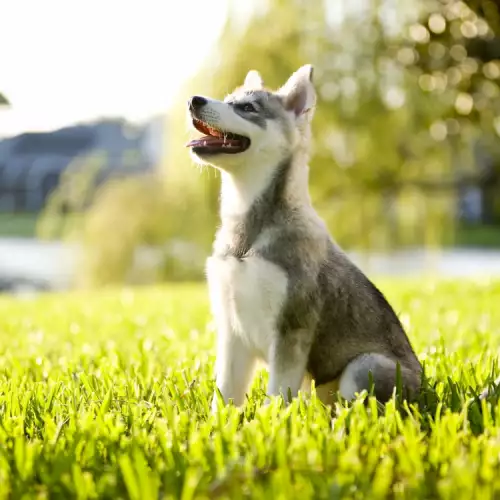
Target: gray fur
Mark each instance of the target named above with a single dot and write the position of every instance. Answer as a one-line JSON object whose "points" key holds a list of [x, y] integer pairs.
{"points": [[241, 232], [268, 106], [339, 313]]}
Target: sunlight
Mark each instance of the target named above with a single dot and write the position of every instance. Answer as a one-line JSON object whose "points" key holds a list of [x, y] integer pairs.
{"points": [[80, 60]]}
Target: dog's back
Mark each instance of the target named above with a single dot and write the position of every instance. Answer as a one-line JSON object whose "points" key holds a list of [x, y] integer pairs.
{"points": [[356, 320]]}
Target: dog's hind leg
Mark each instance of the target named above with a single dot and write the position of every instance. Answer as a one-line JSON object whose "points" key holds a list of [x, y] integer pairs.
{"points": [[356, 377]]}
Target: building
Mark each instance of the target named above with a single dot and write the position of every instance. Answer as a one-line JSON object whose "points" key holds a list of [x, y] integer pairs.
{"points": [[31, 164]]}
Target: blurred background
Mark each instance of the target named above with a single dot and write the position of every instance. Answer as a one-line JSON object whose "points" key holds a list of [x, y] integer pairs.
{"points": [[97, 188]]}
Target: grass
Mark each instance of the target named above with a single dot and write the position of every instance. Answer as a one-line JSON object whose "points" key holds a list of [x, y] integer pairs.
{"points": [[480, 236], [18, 225], [107, 394]]}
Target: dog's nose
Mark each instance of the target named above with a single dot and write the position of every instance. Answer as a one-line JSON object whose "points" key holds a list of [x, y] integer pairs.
{"points": [[196, 102]]}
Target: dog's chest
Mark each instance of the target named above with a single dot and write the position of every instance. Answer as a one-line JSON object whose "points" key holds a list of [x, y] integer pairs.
{"points": [[247, 296]]}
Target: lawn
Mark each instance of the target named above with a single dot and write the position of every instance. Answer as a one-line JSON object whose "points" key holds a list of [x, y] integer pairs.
{"points": [[106, 395], [480, 236], [21, 225]]}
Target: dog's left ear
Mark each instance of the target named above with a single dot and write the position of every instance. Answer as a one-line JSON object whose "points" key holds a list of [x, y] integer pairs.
{"points": [[253, 80], [298, 92]]}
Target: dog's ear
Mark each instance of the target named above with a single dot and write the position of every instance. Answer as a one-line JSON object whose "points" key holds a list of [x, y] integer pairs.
{"points": [[253, 80], [298, 92]]}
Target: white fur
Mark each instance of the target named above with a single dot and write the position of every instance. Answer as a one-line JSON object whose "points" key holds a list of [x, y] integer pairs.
{"points": [[246, 296], [240, 188], [347, 384], [253, 80]]}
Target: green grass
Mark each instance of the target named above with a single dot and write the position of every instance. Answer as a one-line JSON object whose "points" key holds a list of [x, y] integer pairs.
{"points": [[18, 225], [106, 395], [480, 236]]}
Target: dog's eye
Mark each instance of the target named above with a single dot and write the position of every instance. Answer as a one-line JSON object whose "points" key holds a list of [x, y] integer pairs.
{"points": [[248, 108]]}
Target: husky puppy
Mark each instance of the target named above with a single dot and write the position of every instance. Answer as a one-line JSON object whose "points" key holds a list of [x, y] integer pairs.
{"points": [[281, 290]]}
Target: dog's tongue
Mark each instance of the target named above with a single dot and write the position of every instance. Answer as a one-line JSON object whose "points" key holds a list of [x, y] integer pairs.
{"points": [[209, 140]]}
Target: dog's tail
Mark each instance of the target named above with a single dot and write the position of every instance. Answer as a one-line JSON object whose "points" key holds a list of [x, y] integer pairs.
{"points": [[486, 392]]}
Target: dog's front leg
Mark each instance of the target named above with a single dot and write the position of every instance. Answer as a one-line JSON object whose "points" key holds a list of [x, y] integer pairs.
{"points": [[234, 368], [287, 363]]}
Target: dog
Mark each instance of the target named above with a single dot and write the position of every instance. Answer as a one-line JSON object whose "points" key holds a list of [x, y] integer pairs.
{"points": [[281, 290]]}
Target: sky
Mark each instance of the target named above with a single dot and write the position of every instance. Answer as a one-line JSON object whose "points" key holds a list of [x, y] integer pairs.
{"points": [[63, 61]]}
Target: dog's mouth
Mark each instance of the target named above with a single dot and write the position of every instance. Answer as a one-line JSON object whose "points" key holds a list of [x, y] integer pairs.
{"points": [[216, 141]]}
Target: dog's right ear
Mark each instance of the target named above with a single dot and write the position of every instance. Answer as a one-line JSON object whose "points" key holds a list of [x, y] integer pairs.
{"points": [[253, 80]]}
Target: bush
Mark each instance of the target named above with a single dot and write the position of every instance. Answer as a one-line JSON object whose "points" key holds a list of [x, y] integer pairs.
{"points": [[135, 229]]}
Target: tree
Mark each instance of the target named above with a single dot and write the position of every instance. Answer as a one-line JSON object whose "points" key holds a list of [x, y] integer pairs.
{"points": [[463, 45], [3, 100], [372, 123]]}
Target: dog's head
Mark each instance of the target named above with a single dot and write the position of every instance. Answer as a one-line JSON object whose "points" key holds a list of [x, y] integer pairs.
{"points": [[253, 125]]}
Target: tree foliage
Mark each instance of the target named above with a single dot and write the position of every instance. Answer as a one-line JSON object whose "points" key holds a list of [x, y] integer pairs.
{"points": [[408, 111], [401, 106]]}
